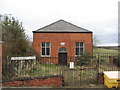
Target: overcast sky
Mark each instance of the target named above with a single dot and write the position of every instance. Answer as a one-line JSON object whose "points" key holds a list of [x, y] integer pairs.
{"points": [[99, 16]]}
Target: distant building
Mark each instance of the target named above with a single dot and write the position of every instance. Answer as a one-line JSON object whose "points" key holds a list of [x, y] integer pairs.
{"points": [[61, 39]]}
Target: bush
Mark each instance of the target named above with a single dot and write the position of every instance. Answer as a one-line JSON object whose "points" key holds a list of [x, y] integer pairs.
{"points": [[84, 59]]}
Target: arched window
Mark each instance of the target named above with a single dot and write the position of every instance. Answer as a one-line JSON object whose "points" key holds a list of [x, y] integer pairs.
{"points": [[62, 50]]}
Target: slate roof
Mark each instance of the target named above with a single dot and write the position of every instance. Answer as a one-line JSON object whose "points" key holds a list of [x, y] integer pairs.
{"points": [[62, 26]]}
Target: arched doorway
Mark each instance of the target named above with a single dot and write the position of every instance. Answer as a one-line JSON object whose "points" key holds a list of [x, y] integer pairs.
{"points": [[62, 56]]}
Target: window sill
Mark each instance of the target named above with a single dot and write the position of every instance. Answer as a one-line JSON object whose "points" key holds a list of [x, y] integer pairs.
{"points": [[45, 56], [77, 55]]}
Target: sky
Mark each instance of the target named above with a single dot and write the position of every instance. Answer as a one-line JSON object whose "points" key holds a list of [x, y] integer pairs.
{"points": [[99, 16]]}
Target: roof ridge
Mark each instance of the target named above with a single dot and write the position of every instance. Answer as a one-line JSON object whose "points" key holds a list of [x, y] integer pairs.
{"points": [[49, 24], [74, 27]]}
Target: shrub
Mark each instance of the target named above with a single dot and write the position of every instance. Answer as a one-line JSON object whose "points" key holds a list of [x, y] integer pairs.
{"points": [[84, 59]]}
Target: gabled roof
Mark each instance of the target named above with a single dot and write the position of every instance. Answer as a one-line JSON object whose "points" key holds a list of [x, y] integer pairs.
{"points": [[62, 26]]}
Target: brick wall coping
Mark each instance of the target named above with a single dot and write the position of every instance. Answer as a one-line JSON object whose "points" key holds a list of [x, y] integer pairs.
{"points": [[31, 78]]}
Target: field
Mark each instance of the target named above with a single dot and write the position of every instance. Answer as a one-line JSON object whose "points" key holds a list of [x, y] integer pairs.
{"points": [[104, 50]]}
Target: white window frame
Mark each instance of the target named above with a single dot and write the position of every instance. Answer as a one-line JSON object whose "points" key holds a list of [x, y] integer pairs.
{"points": [[79, 48], [45, 50]]}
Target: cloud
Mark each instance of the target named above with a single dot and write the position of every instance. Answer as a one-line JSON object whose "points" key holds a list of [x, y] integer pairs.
{"points": [[99, 16]]}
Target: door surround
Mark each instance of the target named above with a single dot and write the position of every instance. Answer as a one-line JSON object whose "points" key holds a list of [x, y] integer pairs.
{"points": [[62, 56]]}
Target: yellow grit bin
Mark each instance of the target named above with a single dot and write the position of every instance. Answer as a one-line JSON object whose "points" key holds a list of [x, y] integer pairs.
{"points": [[112, 79]]}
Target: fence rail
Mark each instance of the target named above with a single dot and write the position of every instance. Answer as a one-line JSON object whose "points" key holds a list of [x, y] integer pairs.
{"points": [[85, 70]]}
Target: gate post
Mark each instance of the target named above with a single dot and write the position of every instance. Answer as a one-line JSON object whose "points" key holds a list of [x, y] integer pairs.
{"points": [[98, 62], [98, 66], [0, 52]]}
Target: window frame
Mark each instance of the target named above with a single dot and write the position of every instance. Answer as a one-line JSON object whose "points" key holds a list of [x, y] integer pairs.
{"points": [[79, 47], [46, 49]]}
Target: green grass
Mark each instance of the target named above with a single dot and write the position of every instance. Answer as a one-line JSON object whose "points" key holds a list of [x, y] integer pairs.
{"points": [[103, 50], [104, 54], [52, 69], [46, 70], [42, 70]]}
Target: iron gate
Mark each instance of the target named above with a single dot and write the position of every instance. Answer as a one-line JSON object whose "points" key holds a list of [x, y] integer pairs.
{"points": [[86, 73], [81, 75]]}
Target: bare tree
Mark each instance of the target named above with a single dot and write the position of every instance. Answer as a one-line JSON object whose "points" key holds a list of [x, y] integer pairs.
{"points": [[96, 41]]}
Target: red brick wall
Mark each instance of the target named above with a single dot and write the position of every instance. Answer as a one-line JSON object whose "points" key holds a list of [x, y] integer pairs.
{"points": [[55, 39], [53, 81], [100, 78]]}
